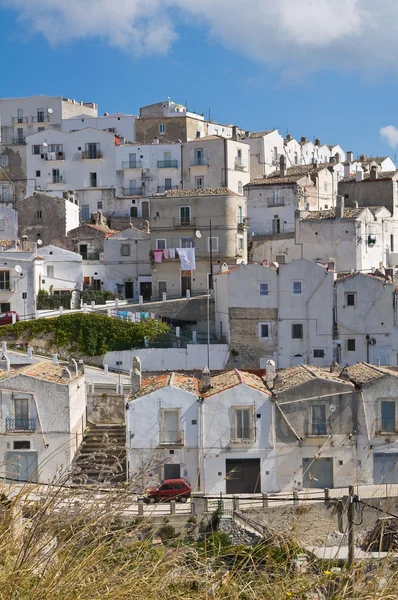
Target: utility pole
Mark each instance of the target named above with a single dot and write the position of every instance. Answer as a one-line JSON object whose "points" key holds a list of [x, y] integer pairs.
{"points": [[350, 517]]}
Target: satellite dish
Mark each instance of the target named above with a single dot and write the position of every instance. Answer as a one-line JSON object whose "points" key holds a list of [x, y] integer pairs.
{"points": [[45, 145], [372, 342], [50, 111], [198, 234], [39, 242], [18, 268]]}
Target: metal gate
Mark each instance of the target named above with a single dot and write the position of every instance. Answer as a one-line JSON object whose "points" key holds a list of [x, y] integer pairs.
{"points": [[172, 471], [318, 473], [385, 467], [22, 466], [243, 476]]}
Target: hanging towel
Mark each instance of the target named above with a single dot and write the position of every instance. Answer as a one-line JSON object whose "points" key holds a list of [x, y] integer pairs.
{"points": [[187, 258], [158, 255], [166, 253], [172, 252]]}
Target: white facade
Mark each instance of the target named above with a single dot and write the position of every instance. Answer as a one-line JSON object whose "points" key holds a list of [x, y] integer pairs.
{"points": [[23, 116], [19, 277], [43, 409], [62, 270], [265, 150], [120, 124]]}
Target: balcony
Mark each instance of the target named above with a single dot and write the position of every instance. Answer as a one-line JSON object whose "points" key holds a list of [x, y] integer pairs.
{"points": [[240, 164], [200, 161], [165, 188], [20, 424], [54, 156], [242, 436], [386, 426], [131, 164], [167, 164], [275, 202], [243, 225], [90, 255], [56, 179], [19, 141], [133, 191], [171, 438], [20, 120], [92, 155], [184, 223], [40, 118]]}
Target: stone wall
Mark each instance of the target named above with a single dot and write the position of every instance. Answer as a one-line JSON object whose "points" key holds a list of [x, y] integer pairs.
{"points": [[246, 346], [106, 408]]}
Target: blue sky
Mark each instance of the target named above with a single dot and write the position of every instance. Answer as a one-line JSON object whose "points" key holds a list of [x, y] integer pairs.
{"points": [[256, 71]]}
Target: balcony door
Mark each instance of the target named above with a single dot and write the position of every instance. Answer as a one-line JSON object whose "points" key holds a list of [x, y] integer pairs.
{"points": [[132, 160], [186, 282], [21, 408], [171, 427]]}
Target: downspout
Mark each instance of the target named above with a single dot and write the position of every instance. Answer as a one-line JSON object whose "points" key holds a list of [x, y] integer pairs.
{"points": [[226, 162], [182, 167], [202, 448]]}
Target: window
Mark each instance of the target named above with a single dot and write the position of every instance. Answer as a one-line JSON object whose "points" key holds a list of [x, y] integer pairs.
{"points": [[239, 154], [21, 409], [240, 214], [296, 287], [36, 149], [50, 270], [295, 158], [22, 445], [185, 215], [276, 224], [132, 160], [161, 245], [85, 212], [350, 299], [162, 128], [38, 174], [92, 150], [199, 156], [387, 416], [199, 182], [325, 187], [170, 426], [4, 161], [264, 289], [351, 345], [93, 180], [319, 425], [280, 259], [20, 115], [2, 225], [57, 178], [242, 423], [20, 138], [40, 115], [240, 188], [297, 331], [240, 243], [4, 280], [125, 250], [186, 243], [264, 330], [213, 242], [99, 205], [167, 183], [57, 148], [319, 353]]}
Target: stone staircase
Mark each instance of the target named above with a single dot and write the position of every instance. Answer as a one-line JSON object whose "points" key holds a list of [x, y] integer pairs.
{"points": [[102, 456]]}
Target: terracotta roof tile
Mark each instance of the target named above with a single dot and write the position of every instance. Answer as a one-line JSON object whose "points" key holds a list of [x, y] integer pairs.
{"points": [[221, 191], [44, 370], [365, 373], [293, 174], [228, 379], [289, 378], [384, 176], [349, 213], [259, 134], [158, 382]]}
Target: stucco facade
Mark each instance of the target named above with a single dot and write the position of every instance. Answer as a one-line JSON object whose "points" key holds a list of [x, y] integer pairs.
{"points": [[62, 270], [19, 276]]}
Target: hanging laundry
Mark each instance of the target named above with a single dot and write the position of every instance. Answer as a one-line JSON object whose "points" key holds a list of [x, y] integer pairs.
{"points": [[187, 258], [158, 255], [172, 252], [166, 253]]}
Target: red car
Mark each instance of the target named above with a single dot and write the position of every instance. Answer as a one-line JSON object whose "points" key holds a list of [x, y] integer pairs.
{"points": [[6, 317], [169, 489]]}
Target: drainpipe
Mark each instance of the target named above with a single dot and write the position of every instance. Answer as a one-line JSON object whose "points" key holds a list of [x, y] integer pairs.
{"points": [[201, 448], [226, 162]]}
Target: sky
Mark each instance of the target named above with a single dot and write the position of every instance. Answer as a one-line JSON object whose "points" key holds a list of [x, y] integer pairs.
{"points": [[315, 68]]}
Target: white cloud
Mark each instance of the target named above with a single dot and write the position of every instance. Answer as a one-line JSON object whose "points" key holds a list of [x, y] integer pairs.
{"points": [[298, 35], [390, 135]]}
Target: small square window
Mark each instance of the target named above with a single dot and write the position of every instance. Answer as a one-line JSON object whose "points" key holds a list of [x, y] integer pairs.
{"points": [[171, 451], [351, 345], [296, 287], [21, 445], [193, 422], [258, 416], [38, 174], [99, 205], [263, 330], [264, 289], [160, 244], [319, 353], [297, 331], [350, 299], [125, 250]]}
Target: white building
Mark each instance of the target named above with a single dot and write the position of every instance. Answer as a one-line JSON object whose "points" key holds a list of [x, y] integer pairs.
{"points": [[283, 314], [20, 117], [43, 408], [62, 270], [19, 277], [266, 147], [121, 124]]}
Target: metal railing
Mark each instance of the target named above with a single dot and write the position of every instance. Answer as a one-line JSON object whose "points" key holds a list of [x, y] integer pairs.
{"points": [[18, 141], [90, 255], [165, 188], [167, 164], [133, 191], [200, 160], [178, 222], [39, 118], [58, 156], [319, 427], [276, 202], [57, 179], [20, 424], [171, 438], [20, 120], [92, 155], [384, 426], [240, 163], [131, 164], [242, 435]]}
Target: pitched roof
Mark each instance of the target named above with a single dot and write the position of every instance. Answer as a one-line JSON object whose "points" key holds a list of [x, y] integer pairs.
{"points": [[368, 159], [293, 174], [46, 371], [228, 379], [365, 373], [349, 213], [102, 228], [383, 176], [259, 134], [220, 191], [158, 382], [289, 378]]}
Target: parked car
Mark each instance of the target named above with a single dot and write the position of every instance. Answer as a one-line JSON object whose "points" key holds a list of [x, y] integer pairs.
{"points": [[169, 489], [6, 317]]}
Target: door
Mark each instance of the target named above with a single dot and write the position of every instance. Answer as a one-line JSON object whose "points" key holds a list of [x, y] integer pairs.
{"points": [[132, 160], [318, 473], [172, 471], [243, 476], [297, 359], [133, 187], [380, 353], [85, 212], [133, 211], [385, 467], [22, 466], [186, 282], [162, 287], [146, 290], [145, 210], [129, 289]]}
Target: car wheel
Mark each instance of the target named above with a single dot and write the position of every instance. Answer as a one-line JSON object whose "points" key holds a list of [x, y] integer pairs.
{"points": [[146, 500], [152, 500], [183, 499]]}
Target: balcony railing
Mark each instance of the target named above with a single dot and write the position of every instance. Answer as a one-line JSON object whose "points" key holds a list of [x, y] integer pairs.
{"points": [[385, 426], [90, 255], [92, 155], [133, 191], [240, 164], [20, 120], [184, 223], [200, 161], [55, 156], [57, 179], [167, 164], [19, 141], [276, 202], [165, 188], [39, 119], [131, 164], [242, 436], [171, 438], [319, 427], [20, 424]]}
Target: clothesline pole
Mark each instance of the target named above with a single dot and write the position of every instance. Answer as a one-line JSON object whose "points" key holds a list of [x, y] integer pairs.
{"points": [[211, 260], [208, 329]]}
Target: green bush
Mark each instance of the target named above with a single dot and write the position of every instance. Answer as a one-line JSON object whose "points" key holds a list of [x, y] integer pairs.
{"points": [[89, 334], [47, 302], [99, 296]]}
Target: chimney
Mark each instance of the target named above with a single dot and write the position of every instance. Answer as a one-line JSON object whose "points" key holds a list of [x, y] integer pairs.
{"points": [[5, 364], [347, 169], [362, 157], [235, 133], [66, 374], [373, 173], [317, 142], [339, 207], [359, 175], [289, 137], [206, 379], [270, 373], [146, 226], [135, 375], [332, 160], [282, 166], [81, 367], [337, 157], [350, 156], [303, 139], [345, 375], [331, 264], [247, 134]]}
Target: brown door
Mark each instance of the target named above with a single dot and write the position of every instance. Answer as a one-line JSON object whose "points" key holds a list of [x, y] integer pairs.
{"points": [[145, 210], [186, 282]]}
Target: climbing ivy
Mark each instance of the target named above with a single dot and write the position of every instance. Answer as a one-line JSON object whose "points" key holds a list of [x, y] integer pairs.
{"points": [[89, 334]]}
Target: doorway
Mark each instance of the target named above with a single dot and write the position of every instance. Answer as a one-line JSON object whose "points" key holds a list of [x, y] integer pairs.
{"points": [[146, 290], [243, 476], [129, 289], [186, 282], [22, 466], [172, 471], [162, 288], [318, 473], [385, 467]]}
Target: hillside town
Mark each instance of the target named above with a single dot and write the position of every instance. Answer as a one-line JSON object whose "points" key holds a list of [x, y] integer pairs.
{"points": [[269, 261]]}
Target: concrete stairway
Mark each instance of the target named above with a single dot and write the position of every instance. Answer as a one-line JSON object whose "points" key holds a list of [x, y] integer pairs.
{"points": [[102, 456]]}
